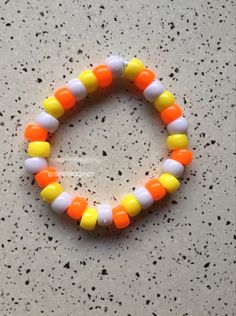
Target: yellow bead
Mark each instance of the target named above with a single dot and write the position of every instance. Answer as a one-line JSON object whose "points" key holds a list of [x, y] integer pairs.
{"points": [[177, 141], [89, 219], [39, 149], [53, 107], [164, 100], [131, 205], [51, 191], [89, 80], [169, 182], [133, 68]]}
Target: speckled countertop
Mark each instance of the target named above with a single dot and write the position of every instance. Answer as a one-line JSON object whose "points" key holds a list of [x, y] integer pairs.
{"points": [[177, 258]]}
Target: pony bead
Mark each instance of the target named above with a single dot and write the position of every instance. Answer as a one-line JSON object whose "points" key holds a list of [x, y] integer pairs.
{"points": [[39, 149], [35, 132], [103, 75], [89, 219], [183, 156], [133, 68], [77, 207], [61, 203], [47, 121], [77, 88], [178, 126], [65, 98], [173, 167], [177, 141], [120, 217], [89, 80], [104, 215], [164, 100], [144, 78], [169, 182], [51, 192], [156, 190], [170, 114], [35, 164], [144, 198], [153, 90], [46, 176], [53, 107], [116, 65], [75, 91], [131, 205]]}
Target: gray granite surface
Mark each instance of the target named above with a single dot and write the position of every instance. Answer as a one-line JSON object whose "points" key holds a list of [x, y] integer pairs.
{"points": [[176, 258]]}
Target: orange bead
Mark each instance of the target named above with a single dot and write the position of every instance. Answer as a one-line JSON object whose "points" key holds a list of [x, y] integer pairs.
{"points": [[156, 189], [184, 156], [170, 114], [103, 75], [144, 78], [77, 208], [65, 98], [46, 176], [35, 132], [120, 217]]}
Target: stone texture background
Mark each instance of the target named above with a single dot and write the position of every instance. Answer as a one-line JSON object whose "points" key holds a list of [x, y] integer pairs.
{"points": [[177, 258]]}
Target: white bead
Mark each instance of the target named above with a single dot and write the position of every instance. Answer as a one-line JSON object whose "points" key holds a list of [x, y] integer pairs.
{"points": [[116, 65], [153, 90], [61, 203], [77, 89], [35, 164], [104, 215], [47, 121], [144, 197], [178, 126], [173, 167]]}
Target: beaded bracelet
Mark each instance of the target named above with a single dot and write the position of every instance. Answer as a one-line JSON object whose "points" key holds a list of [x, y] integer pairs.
{"points": [[66, 98]]}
